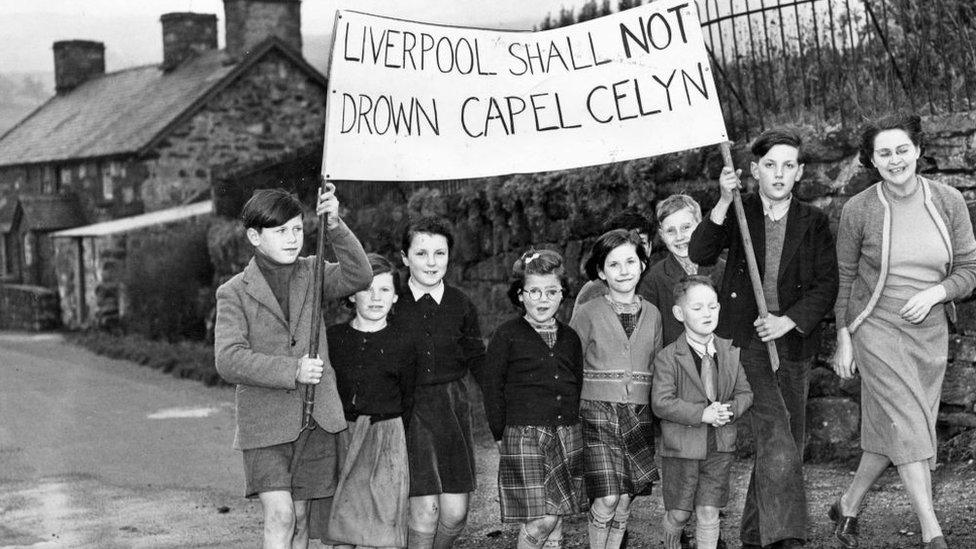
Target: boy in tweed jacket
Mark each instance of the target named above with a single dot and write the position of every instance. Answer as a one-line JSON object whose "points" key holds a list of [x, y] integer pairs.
{"points": [[699, 389], [264, 321]]}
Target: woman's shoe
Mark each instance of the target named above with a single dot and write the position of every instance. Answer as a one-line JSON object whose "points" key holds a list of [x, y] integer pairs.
{"points": [[938, 542], [845, 528]]}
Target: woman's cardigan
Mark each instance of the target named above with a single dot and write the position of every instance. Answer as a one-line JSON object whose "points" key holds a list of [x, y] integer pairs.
{"points": [[864, 248]]}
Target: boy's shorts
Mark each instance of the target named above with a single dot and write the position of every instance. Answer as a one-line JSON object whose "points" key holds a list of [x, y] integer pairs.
{"points": [[309, 474], [687, 483]]}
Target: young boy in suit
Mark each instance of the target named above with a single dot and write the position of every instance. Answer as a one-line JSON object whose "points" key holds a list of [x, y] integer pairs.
{"points": [[699, 390], [261, 340], [798, 265]]}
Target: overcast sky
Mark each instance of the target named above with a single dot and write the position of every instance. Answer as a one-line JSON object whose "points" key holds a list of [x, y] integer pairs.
{"points": [[132, 35]]}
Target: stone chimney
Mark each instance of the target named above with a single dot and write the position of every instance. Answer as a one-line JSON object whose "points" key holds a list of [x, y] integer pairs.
{"points": [[185, 35], [250, 22], [76, 61]]}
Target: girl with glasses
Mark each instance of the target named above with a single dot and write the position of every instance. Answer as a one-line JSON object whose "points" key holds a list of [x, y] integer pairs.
{"points": [[534, 372]]}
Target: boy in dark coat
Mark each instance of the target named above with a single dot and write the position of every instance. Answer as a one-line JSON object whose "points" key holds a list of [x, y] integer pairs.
{"points": [[795, 252]]}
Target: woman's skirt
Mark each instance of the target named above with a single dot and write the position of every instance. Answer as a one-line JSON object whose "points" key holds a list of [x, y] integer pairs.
{"points": [[902, 366], [371, 505], [618, 454], [540, 472], [439, 442]]}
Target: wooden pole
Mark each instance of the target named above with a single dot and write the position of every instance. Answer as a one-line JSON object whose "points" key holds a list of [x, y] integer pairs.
{"points": [[757, 289], [308, 402]]}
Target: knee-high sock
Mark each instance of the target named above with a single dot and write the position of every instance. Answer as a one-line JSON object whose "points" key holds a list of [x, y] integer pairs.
{"points": [[419, 540], [672, 532], [527, 540], [445, 535], [598, 528], [706, 534], [555, 539], [618, 526]]}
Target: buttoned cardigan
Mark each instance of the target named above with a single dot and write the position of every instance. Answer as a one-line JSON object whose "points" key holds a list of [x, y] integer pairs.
{"points": [[864, 248], [616, 368]]}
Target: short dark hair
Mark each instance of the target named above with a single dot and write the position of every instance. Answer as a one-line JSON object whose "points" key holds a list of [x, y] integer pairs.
{"points": [[631, 220], [379, 265], [906, 122], [535, 262], [270, 208], [430, 224], [606, 243], [777, 136], [687, 282]]}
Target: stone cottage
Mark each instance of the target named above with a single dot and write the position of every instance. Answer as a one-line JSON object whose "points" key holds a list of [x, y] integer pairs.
{"points": [[114, 145]]}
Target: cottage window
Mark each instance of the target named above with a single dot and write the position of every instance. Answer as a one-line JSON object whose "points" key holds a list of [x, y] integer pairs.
{"points": [[65, 174], [28, 249], [108, 184], [49, 184]]}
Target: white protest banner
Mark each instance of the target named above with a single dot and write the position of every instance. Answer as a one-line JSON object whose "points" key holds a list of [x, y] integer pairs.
{"points": [[411, 101]]}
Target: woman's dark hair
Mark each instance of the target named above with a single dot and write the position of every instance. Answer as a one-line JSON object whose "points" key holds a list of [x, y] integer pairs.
{"points": [[535, 262], [777, 136], [427, 225], [270, 208], [607, 242], [911, 124], [379, 265]]}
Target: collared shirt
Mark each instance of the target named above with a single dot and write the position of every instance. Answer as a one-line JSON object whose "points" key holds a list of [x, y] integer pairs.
{"points": [[702, 348], [418, 291], [777, 210]]}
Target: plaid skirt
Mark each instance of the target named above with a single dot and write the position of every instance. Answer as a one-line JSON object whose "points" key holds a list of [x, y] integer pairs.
{"points": [[618, 457], [540, 472]]}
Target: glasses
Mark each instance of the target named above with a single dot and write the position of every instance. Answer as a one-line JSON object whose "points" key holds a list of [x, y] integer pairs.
{"points": [[535, 294]]}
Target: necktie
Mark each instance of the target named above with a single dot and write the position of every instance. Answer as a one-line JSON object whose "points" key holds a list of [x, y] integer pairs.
{"points": [[709, 377]]}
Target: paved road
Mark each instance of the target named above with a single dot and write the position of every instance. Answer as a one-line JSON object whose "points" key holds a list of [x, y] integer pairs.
{"points": [[104, 453]]}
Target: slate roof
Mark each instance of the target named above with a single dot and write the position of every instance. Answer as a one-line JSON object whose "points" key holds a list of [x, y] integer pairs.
{"points": [[43, 213], [127, 111]]}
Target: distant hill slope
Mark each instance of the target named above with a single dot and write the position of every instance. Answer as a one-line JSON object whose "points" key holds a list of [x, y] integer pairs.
{"points": [[21, 93]]}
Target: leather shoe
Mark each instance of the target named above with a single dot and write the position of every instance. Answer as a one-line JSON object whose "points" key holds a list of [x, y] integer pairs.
{"points": [[938, 542], [845, 527]]}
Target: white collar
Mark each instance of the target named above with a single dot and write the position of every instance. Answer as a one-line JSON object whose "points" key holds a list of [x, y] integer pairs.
{"points": [[778, 210], [418, 291], [702, 348]]}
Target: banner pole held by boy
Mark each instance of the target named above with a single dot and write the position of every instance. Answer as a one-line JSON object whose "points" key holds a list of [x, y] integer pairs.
{"points": [[308, 402], [757, 289]]}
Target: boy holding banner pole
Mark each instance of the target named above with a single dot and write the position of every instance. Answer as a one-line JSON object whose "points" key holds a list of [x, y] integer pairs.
{"points": [[794, 249]]}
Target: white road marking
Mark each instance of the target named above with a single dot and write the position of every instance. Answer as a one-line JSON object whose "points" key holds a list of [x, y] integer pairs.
{"points": [[183, 413]]}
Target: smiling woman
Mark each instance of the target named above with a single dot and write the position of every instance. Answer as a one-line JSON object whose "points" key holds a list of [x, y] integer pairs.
{"points": [[905, 249]]}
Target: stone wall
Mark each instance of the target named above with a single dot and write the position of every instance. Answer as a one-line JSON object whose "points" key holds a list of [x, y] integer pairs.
{"points": [[29, 308], [274, 107], [497, 219]]}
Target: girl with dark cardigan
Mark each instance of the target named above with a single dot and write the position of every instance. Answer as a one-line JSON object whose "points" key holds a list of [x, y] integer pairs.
{"points": [[443, 323], [375, 369], [620, 333], [534, 372]]}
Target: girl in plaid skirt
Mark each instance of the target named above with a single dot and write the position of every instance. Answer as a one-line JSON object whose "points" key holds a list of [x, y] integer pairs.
{"points": [[620, 334], [534, 373]]}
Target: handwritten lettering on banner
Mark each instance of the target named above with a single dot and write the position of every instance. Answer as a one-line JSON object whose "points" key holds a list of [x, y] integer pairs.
{"points": [[411, 101]]}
